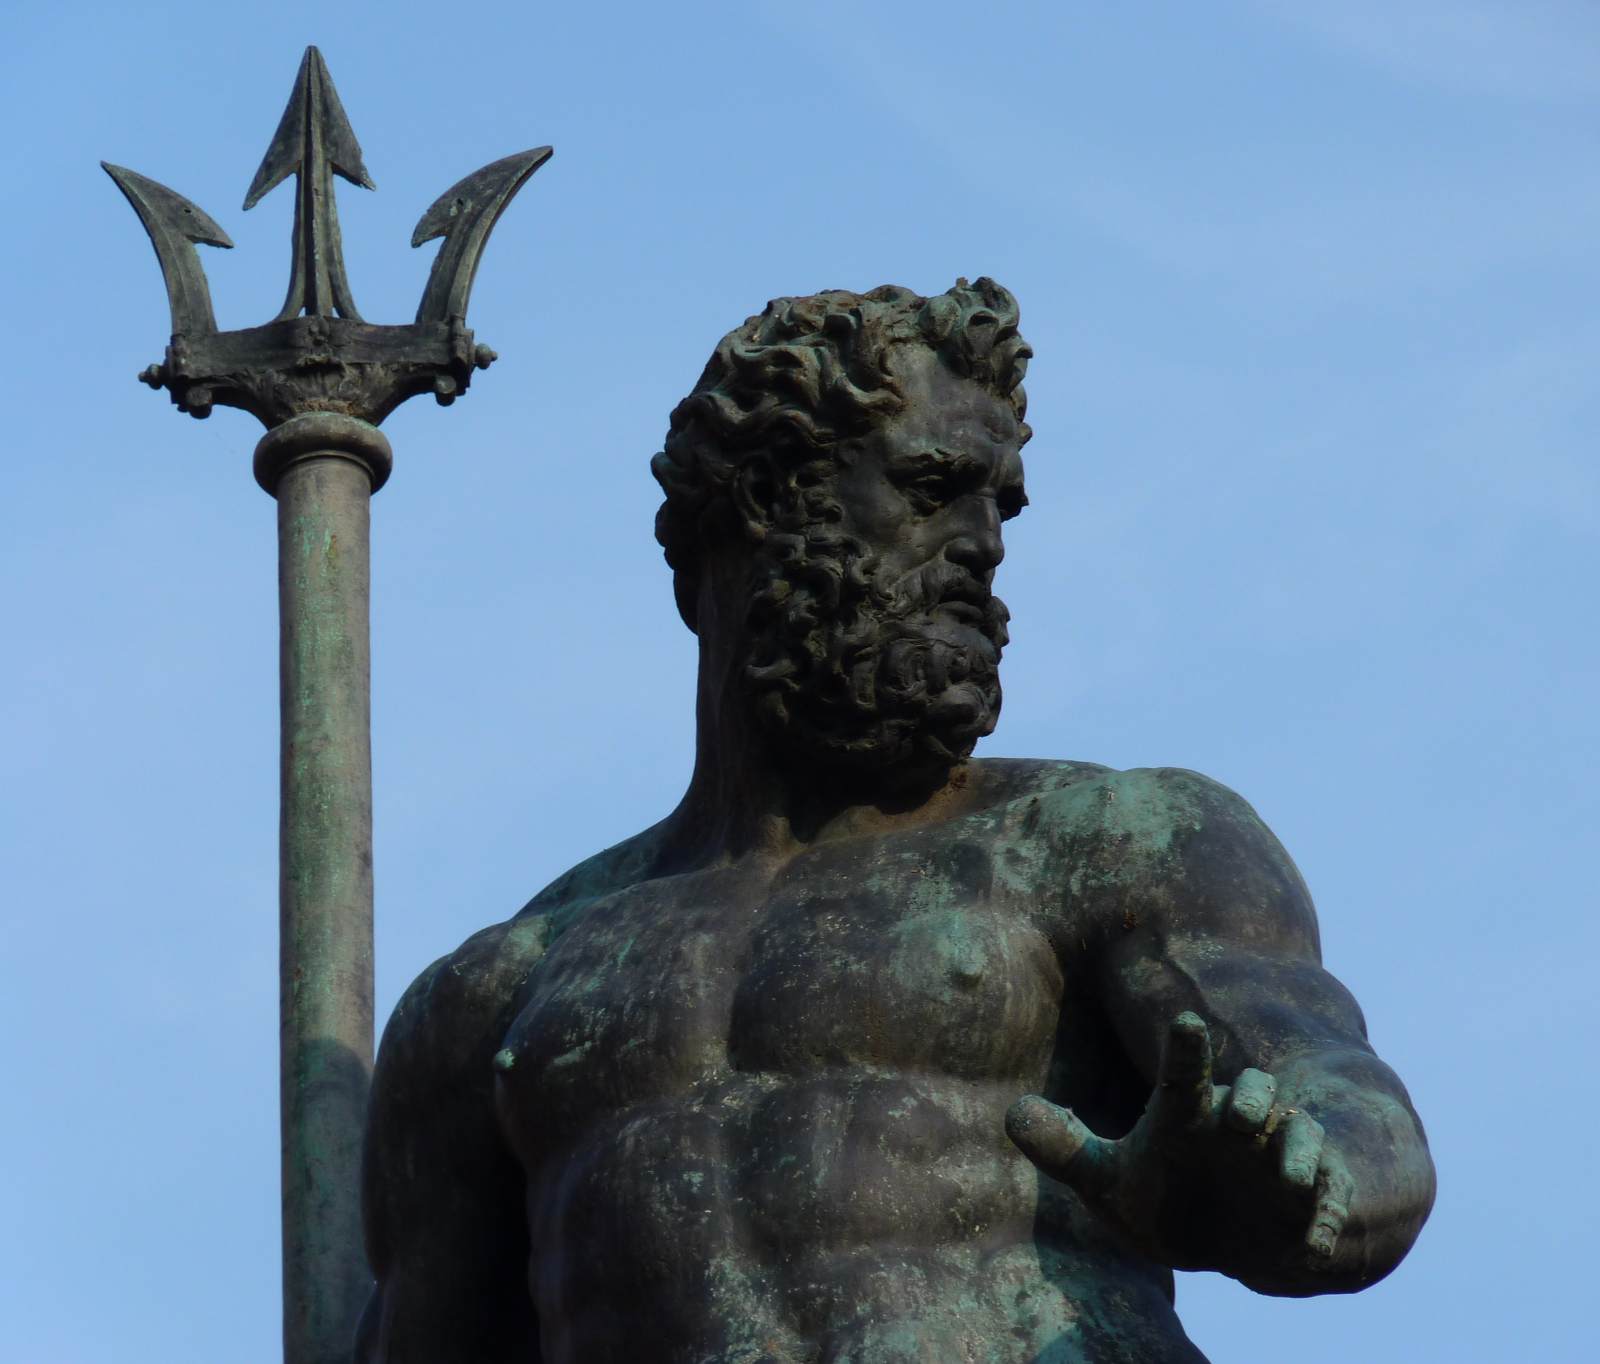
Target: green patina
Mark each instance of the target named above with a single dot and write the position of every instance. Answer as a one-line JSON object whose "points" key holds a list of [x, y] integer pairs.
{"points": [[862, 1055]]}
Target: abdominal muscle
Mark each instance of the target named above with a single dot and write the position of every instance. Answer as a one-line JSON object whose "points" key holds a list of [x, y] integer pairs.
{"points": [[851, 1217]]}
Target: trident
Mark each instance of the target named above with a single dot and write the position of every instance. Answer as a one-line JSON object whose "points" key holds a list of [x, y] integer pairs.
{"points": [[321, 379]]}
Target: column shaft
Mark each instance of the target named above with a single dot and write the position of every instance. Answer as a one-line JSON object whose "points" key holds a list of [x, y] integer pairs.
{"points": [[325, 896]]}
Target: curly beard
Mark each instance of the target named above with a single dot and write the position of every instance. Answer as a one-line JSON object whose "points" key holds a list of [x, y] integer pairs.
{"points": [[851, 670]]}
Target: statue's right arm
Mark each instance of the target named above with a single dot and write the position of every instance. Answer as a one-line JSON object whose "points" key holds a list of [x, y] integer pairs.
{"points": [[442, 1196]]}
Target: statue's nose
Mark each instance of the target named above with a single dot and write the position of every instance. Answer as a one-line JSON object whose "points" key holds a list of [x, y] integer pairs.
{"points": [[978, 546]]}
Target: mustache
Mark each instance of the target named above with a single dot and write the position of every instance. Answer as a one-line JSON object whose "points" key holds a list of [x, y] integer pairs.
{"points": [[941, 582], [815, 576]]}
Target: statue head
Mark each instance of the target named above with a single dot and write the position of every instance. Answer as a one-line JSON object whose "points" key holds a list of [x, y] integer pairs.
{"points": [[845, 461]]}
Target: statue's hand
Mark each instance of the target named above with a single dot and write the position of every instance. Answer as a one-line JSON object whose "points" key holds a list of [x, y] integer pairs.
{"points": [[1211, 1176]]}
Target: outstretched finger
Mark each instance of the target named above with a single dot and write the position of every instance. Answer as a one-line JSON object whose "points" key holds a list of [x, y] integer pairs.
{"points": [[1056, 1140], [1250, 1101], [1334, 1190], [1300, 1140], [1184, 1095]]}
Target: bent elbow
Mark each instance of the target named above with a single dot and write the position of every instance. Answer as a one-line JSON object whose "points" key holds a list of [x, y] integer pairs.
{"points": [[1371, 1246]]}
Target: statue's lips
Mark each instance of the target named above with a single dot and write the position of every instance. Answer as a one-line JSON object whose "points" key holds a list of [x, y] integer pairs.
{"points": [[965, 599]]}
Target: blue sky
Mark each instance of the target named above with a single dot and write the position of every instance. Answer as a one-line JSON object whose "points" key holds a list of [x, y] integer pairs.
{"points": [[1316, 307]]}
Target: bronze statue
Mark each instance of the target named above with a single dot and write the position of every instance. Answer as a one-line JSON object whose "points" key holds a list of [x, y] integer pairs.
{"points": [[851, 1057]]}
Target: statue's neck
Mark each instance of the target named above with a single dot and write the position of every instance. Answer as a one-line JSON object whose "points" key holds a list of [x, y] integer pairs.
{"points": [[749, 798]]}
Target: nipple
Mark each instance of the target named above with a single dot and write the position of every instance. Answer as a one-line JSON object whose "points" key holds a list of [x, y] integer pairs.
{"points": [[966, 966]]}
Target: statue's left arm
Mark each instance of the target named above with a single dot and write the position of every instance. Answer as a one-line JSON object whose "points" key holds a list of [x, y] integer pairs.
{"points": [[442, 1199], [1276, 1147]]}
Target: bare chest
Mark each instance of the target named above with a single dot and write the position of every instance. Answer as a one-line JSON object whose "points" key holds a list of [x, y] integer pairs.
{"points": [[904, 960]]}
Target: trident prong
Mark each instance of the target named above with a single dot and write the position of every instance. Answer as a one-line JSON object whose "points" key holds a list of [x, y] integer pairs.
{"points": [[175, 224], [314, 142], [318, 355], [464, 215]]}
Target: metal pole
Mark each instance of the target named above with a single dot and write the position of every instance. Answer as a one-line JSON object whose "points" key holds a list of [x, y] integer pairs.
{"points": [[323, 469]]}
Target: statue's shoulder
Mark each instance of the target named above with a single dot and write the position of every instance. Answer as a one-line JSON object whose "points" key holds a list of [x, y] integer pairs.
{"points": [[615, 868], [466, 998], [1149, 815], [1156, 834], [1139, 804], [1001, 782], [452, 1018]]}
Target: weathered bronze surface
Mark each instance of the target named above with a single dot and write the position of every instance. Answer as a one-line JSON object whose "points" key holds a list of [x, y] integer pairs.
{"points": [[870, 1052], [321, 378], [324, 495], [318, 355]]}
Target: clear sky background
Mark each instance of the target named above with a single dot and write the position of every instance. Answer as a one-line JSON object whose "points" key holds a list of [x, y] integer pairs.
{"points": [[1315, 297]]}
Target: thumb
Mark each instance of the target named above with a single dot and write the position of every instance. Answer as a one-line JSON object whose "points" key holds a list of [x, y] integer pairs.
{"points": [[1056, 1141]]}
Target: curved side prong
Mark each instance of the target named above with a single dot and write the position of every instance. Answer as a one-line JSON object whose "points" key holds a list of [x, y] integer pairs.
{"points": [[464, 215], [174, 224]]}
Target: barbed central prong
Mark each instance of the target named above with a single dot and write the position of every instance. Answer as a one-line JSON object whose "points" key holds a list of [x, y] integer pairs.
{"points": [[318, 354], [314, 142]]}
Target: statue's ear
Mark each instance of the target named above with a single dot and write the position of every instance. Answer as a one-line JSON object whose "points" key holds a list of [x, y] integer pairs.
{"points": [[754, 495]]}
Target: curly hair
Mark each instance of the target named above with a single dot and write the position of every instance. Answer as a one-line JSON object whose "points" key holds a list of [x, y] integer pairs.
{"points": [[806, 374]]}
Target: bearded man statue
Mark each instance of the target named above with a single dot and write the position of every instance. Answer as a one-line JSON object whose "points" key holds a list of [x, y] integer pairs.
{"points": [[871, 1052], [865, 662]]}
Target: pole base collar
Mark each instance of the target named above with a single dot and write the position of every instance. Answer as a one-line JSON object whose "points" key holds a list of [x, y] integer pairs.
{"points": [[323, 435]]}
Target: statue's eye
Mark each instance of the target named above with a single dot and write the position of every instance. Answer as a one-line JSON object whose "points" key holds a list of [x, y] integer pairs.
{"points": [[933, 482], [939, 476]]}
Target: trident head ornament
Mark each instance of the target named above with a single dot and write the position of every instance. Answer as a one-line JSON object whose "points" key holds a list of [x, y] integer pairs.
{"points": [[318, 354]]}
